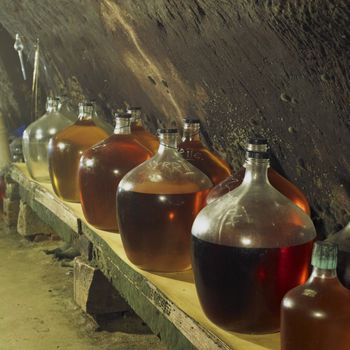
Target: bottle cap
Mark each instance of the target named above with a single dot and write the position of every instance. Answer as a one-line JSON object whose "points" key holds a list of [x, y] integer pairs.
{"points": [[167, 131], [257, 148], [191, 120], [324, 255]]}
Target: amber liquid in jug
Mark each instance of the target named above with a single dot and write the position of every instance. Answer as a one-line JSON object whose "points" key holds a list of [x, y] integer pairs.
{"points": [[149, 140], [101, 169], [261, 272], [316, 315], [66, 148], [156, 205], [193, 150], [162, 222], [277, 181]]}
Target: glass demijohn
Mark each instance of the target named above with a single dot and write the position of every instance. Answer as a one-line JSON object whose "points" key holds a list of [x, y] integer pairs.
{"points": [[101, 169], [145, 137], [249, 248], [277, 181], [316, 315], [66, 148], [36, 138], [193, 150], [156, 205]]}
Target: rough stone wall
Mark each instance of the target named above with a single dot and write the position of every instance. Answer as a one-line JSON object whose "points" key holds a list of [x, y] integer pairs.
{"points": [[279, 68]]}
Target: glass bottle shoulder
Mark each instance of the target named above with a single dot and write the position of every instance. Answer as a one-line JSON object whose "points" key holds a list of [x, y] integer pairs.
{"points": [[119, 147], [319, 298], [81, 132], [289, 190], [254, 216], [45, 127], [277, 181], [166, 170]]}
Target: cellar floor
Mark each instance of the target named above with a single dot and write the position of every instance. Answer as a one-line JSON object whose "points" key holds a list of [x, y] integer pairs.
{"points": [[37, 311]]}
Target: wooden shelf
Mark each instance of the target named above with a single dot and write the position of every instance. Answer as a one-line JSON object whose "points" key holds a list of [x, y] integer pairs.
{"points": [[167, 303]]}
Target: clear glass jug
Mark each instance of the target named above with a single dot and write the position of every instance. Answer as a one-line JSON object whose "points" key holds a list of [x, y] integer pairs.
{"points": [[156, 205], [36, 138], [249, 248], [101, 169]]}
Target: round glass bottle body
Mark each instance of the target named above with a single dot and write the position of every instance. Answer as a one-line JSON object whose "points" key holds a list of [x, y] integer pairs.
{"points": [[248, 249], [156, 205], [316, 315], [65, 150], [277, 181], [36, 138], [101, 169], [193, 150]]}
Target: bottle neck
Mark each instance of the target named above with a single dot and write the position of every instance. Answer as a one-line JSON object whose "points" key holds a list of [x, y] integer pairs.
{"points": [[167, 142], [51, 108], [256, 171], [137, 123], [86, 112], [122, 126], [191, 132], [323, 273]]}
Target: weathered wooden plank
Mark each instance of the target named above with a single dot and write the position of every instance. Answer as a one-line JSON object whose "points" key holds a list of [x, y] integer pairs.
{"points": [[168, 303], [46, 205]]}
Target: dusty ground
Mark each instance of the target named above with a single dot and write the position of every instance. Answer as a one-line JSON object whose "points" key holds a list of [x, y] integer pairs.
{"points": [[37, 311]]}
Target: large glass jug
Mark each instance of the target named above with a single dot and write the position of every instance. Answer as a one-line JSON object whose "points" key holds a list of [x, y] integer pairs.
{"points": [[249, 248], [276, 180], [101, 169], [193, 150], [156, 205], [145, 137], [66, 148], [36, 138], [316, 315]]}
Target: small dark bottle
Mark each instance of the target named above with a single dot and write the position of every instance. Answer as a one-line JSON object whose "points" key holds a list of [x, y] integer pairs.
{"points": [[316, 315], [193, 150], [277, 181]]}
